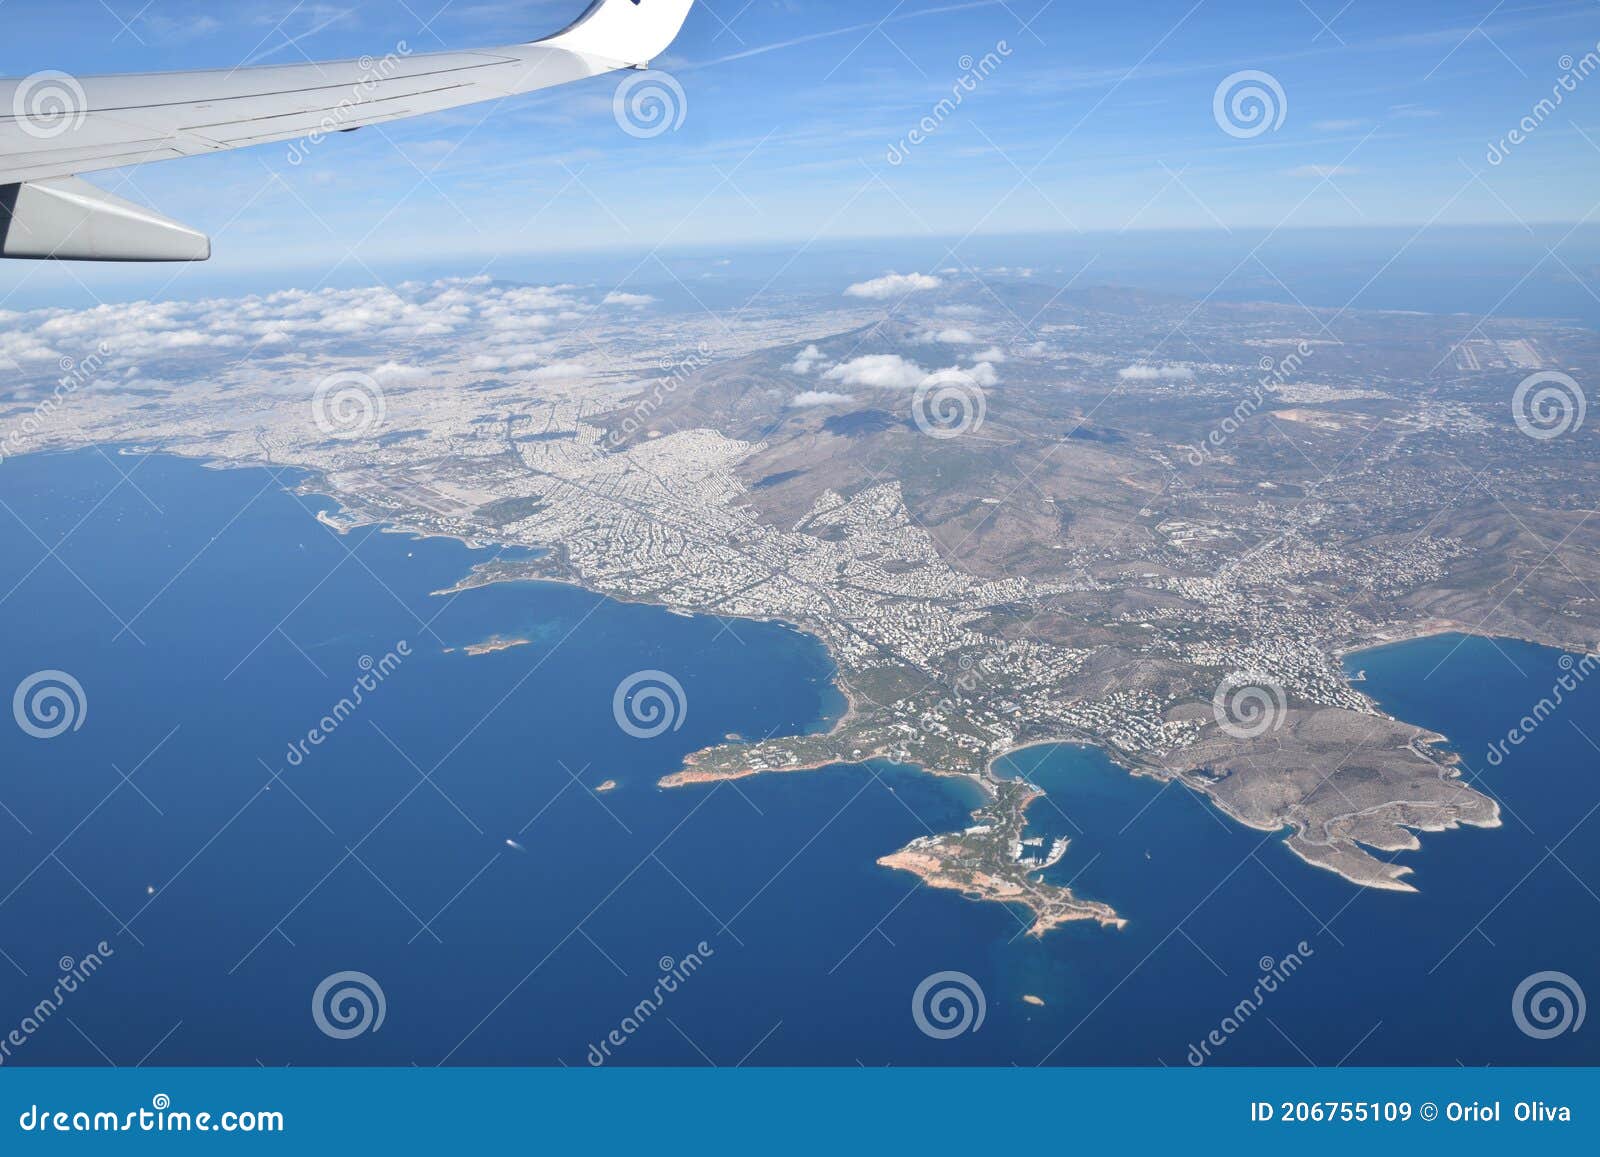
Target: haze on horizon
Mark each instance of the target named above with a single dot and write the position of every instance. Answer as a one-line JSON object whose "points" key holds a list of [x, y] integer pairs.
{"points": [[811, 122]]}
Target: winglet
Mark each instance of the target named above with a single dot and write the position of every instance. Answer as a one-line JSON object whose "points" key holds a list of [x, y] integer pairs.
{"points": [[66, 219], [625, 32]]}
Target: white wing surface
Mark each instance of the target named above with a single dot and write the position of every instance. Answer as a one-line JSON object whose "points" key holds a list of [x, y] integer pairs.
{"points": [[54, 126]]}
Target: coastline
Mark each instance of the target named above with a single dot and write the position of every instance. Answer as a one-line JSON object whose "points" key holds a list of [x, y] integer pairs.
{"points": [[1433, 628], [1296, 838], [489, 646], [1427, 629], [987, 889], [311, 481]]}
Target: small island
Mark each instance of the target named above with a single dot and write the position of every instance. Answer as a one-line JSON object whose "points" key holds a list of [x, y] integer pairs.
{"points": [[490, 646]]}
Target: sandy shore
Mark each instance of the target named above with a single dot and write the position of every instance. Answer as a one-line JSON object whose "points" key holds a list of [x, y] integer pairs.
{"points": [[982, 886]]}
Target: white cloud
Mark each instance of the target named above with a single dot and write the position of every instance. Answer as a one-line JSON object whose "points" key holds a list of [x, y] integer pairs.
{"points": [[948, 337], [893, 285], [893, 372], [633, 299], [1140, 372], [878, 371], [819, 398], [993, 354], [406, 335], [21, 347], [985, 374], [557, 372], [510, 323], [510, 361], [394, 372], [806, 360]]}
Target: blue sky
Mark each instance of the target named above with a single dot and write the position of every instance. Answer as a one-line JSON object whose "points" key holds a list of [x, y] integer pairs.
{"points": [[1097, 117]]}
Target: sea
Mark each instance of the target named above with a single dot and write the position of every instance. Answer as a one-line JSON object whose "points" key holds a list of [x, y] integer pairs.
{"points": [[1476, 271], [260, 806]]}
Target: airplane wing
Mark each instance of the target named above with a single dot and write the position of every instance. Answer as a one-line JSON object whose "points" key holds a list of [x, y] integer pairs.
{"points": [[54, 127]]}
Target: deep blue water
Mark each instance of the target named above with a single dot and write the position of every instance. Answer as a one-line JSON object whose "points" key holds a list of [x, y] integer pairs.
{"points": [[1423, 978], [211, 621]]}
